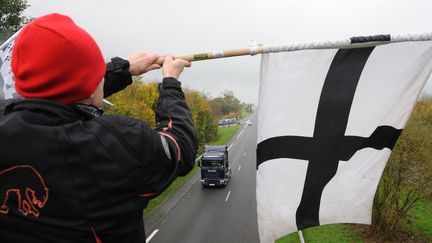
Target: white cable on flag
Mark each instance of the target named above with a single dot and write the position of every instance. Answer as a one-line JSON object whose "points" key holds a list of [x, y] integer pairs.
{"points": [[348, 43], [306, 45], [411, 37]]}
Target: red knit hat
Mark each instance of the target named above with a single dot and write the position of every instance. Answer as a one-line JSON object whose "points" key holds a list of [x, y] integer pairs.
{"points": [[55, 59]]}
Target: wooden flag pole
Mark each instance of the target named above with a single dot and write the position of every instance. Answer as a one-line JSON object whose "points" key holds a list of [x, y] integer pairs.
{"points": [[353, 42], [214, 55]]}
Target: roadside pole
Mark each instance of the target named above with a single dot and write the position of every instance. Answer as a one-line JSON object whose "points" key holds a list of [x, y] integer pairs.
{"points": [[300, 233]]}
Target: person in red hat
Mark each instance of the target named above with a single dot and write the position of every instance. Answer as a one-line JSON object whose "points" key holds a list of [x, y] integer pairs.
{"points": [[67, 172]]}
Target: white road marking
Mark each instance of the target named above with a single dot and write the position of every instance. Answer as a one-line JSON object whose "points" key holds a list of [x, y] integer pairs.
{"points": [[152, 235], [238, 169], [236, 138], [227, 197], [240, 133], [230, 146]]}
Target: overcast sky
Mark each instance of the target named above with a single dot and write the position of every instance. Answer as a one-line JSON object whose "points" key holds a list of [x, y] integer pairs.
{"points": [[194, 26]]}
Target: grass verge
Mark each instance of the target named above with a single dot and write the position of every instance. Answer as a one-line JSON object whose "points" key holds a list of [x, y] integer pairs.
{"points": [[421, 226], [178, 183], [225, 134], [324, 233]]}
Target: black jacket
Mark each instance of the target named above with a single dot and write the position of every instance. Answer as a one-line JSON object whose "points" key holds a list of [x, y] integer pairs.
{"points": [[66, 176]]}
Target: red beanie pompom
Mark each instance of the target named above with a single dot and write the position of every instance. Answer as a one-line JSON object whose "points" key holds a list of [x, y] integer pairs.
{"points": [[55, 59]]}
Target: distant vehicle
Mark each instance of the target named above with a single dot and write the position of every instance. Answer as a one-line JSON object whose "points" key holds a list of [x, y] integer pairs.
{"points": [[249, 123], [215, 170], [229, 121]]}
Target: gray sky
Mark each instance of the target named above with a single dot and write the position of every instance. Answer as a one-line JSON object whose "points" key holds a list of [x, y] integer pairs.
{"points": [[194, 26]]}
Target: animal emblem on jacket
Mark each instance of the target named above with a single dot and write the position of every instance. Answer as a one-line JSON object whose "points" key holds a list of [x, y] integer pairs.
{"points": [[29, 187]]}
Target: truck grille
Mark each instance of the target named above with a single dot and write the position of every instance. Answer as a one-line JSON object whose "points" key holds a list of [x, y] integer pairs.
{"points": [[209, 175]]}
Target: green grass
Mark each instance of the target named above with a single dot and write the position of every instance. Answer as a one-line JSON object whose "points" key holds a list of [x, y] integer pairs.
{"points": [[178, 183], [225, 134], [421, 226], [325, 233]]}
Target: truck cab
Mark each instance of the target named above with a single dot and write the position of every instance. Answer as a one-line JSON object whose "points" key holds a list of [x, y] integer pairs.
{"points": [[214, 163]]}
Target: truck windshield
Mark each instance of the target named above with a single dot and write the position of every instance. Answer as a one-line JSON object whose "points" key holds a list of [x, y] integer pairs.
{"points": [[212, 163]]}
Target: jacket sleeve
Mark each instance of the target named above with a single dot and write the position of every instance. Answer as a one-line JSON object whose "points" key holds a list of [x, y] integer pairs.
{"points": [[174, 122], [153, 159], [117, 76]]}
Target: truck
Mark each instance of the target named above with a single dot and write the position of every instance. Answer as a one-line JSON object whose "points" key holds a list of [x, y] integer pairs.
{"points": [[214, 163]]}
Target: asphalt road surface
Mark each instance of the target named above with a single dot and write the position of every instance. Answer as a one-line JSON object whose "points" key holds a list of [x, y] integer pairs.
{"points": [[226, 214]]}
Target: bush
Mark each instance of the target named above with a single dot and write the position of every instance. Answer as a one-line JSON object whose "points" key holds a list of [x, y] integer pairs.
{"points": [[204, 122], [139, 101], [408, 175]]}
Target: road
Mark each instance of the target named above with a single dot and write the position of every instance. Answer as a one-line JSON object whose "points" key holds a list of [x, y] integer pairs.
{"points": [[226, 214]]}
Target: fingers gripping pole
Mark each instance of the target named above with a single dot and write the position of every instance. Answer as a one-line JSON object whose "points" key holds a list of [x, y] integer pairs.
{"points": [[213, 55]]}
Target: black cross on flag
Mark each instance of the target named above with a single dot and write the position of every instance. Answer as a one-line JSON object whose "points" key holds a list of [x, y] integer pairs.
{"points": [[359, 100]]}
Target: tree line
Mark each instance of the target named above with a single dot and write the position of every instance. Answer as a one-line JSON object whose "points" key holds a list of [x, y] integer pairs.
{"points": [[11, 17], [139, 101]]}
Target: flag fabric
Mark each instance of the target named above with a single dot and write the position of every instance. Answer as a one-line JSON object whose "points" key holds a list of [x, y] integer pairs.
{"points": [[7, 87], [327, 121]]}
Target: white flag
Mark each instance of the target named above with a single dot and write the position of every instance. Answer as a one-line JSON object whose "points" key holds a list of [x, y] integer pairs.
{"points": [[327, 121], [7, 87]]}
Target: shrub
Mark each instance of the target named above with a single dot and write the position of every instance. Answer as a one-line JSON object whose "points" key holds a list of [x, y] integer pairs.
{"points": [[139, 101], [408, 175]]}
